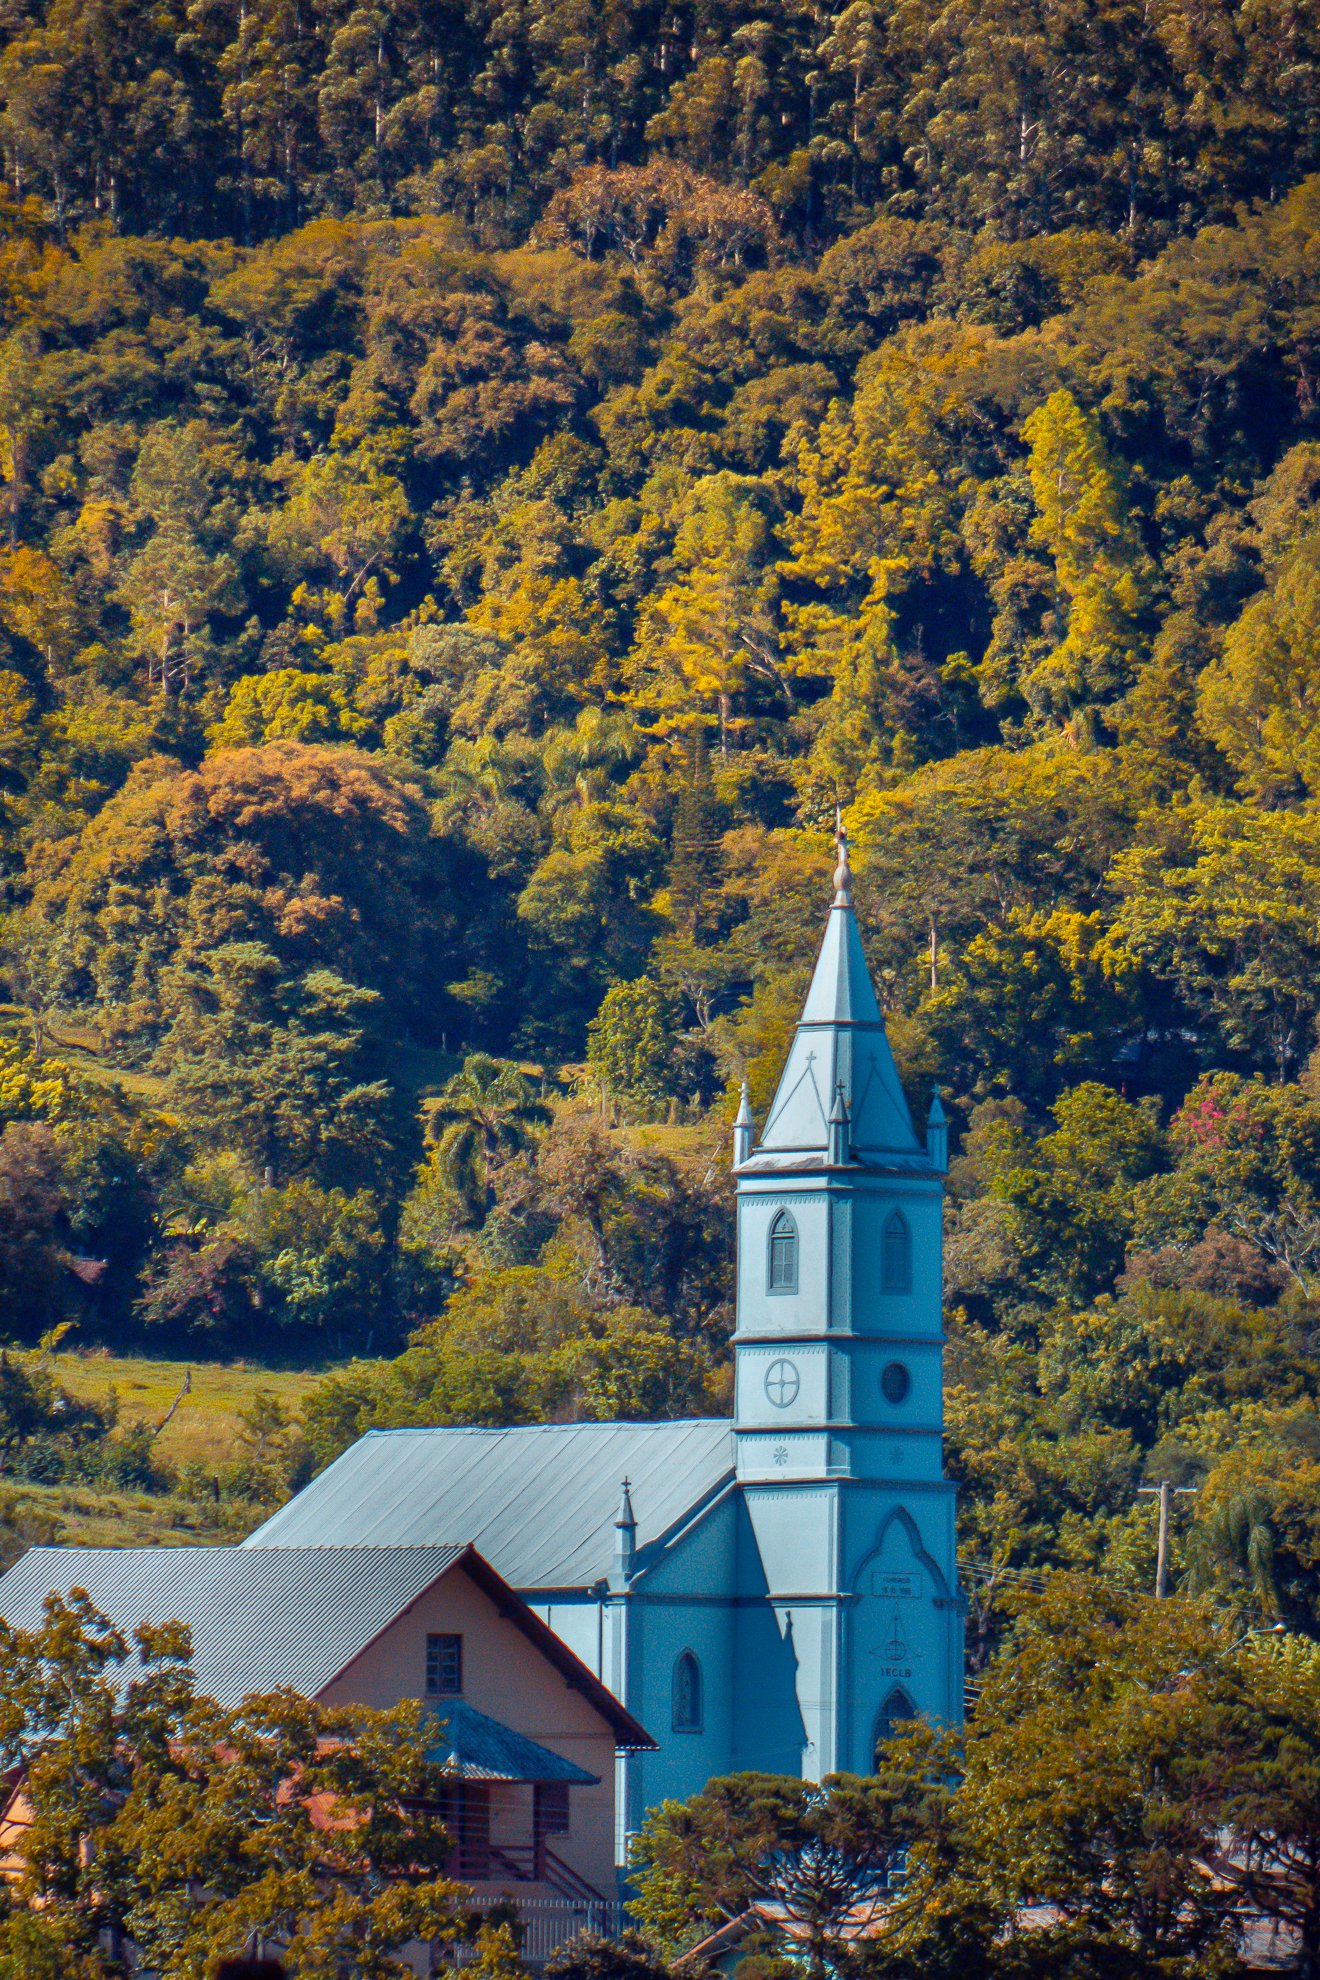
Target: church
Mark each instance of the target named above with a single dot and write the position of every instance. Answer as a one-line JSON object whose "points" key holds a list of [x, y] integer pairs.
{"points": [[775, 1592]]}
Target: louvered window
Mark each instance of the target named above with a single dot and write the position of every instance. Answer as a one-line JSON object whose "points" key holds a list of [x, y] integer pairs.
{"points": [[896, 1255]]}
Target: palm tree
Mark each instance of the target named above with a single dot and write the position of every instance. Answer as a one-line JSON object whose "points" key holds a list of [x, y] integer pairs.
{"points": [[485, 1114], [1235, 1535]]}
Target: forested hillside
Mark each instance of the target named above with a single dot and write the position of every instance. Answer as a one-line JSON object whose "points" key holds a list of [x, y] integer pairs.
{"points": [[479, 485]]}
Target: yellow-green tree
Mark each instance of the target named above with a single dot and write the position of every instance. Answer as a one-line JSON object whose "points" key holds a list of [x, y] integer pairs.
{"points": [[1260, 700], [706, 636], [286, 705], [1100, 569]]}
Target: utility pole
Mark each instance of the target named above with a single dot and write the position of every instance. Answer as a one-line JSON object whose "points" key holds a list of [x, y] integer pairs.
{"points": [[1166, 1494]]}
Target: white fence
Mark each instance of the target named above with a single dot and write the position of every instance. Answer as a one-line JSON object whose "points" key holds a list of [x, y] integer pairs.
{"points": [[548, 1922]]}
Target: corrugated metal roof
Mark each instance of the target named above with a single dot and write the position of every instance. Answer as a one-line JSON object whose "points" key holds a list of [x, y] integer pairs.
{"points": [[482, 1749], [539, 1503], [283, 1616]]}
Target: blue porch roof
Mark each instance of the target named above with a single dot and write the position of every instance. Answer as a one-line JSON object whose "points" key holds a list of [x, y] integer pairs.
{"points": [[479, 1748]]}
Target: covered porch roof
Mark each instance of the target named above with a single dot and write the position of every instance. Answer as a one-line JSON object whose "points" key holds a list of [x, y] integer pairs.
{"points": [[478, 1748]]}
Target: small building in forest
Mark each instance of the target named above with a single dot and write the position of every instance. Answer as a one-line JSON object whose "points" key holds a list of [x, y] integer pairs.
{"points": [[526, 1734], [776, 1591]]}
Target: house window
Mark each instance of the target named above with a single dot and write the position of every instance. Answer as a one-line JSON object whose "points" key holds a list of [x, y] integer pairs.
{"points": [[783, 1254], [687, 1694], [444, 1666], [550, 1808], [894, 1714], [896, 1255]]}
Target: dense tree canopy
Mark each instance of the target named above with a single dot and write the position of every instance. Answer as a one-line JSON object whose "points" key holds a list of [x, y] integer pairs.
{"points": [[477, 490]]}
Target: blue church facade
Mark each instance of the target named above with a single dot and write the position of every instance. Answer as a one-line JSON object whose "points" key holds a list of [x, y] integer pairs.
{"points": [[776, 1592]]}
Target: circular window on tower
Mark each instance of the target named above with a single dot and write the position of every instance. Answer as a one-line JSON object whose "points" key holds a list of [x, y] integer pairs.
{"points": [[782, 1383], [895, 1382]]}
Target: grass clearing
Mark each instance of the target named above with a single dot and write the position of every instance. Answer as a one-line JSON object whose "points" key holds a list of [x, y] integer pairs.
{"points": [[206, 1425], [204, 1429], [83, 1516]]}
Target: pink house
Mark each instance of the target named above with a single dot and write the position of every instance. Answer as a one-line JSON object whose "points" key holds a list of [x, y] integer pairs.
{"points": [[527, 1734]]}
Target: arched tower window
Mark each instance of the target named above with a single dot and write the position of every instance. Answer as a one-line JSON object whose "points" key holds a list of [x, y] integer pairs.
{"points": [[687, 1694], [783, 1273], [896, 1254], [894, 1714]]}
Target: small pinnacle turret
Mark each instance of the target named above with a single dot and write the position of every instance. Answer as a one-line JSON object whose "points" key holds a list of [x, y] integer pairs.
{"points": [[744, 1128], [840, 1153], [937, 1134], [625, 1537]]}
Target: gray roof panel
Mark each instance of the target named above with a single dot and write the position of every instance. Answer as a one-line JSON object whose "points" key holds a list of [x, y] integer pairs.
{"points": [[538, 1503], [290, 1616]]}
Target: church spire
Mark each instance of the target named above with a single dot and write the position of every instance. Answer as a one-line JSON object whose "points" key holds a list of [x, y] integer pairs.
{"points": [[841, 989], [840, 1043]]}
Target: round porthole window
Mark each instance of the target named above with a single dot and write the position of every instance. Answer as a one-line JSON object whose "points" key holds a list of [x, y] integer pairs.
{"points": [[782, 1383], [895, 1383]]}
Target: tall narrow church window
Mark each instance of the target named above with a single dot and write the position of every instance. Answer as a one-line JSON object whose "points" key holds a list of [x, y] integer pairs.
{"points": [[894, 1714], [783, 1254], [687, 1694], [896, 1255]]}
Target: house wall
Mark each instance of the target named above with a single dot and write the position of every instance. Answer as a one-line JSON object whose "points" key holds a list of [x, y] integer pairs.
{"points": [[507, 1678]]}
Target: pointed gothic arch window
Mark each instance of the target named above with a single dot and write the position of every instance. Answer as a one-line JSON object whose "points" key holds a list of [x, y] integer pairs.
{"points": [[687, 1694], [896, 1254], [894, 1714], [782, 1275]]}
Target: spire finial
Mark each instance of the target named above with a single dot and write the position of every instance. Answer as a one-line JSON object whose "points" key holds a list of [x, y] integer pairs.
{"points": [[842, 872], [627, 1517]]}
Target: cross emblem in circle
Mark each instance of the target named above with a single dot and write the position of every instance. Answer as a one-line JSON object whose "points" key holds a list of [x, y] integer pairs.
{"points": [[781, 1383]]}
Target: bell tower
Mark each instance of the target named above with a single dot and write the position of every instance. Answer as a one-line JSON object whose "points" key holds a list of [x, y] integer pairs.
{"points": [[839, 1411]]}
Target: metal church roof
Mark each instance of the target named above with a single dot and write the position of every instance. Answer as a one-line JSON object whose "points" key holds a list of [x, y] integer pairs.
{"points": [[539, 1503], [293, 1616], [480, 1748]]}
